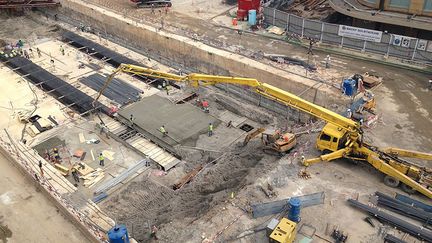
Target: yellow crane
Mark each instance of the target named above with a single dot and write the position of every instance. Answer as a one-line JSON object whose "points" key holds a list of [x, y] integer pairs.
{"points": [[341, 137]]}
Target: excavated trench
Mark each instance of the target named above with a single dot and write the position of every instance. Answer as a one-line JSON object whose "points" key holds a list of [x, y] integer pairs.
{"points": [[144, 203]]}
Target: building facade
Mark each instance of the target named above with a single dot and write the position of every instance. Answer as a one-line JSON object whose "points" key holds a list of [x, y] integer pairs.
{"points": [[415, 7]]}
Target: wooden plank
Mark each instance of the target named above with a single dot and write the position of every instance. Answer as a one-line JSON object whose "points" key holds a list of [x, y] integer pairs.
{"points": [[81, 137], [188, 177], [64, 170], [91, 183], [83, 172]]}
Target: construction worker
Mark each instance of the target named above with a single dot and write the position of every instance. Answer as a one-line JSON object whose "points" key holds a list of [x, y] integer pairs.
{"points": [[31, 53], [62, 50], [103, 129], [38, 52], [163, 131], [166, 9], [147, 161], [56, 155], [40, 167], [152, 8], [210, 130], [167, 89], [131, 119], [101, 160], [349, 113], [205, 106], [310, 47], [20, 44], [153, 232], [75, 175], [327, 61], [26, 55]]}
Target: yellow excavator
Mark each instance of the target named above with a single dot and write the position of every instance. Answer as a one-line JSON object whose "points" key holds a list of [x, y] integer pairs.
{"points": [[341, 137], [274, 141]]}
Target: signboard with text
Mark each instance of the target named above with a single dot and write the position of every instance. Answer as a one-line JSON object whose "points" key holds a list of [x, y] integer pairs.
{"points": [[360, 33]]}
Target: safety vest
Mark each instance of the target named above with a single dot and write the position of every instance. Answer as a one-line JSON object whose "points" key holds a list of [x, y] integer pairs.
{"points": [[162, 130], [101, 157], [210, 128]]}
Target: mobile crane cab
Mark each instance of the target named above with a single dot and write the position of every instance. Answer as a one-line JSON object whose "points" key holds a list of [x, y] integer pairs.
{"points": [[331, 138]]}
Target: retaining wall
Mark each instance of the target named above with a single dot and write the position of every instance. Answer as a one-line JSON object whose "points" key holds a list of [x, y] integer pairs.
{"points": [[6, 150], [190, 53]]}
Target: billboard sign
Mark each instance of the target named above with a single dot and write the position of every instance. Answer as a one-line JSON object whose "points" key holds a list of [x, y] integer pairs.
{"points": [[360, 33]]}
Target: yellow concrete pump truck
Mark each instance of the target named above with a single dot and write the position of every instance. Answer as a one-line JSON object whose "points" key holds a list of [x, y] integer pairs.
{"points": [[341, 137]]}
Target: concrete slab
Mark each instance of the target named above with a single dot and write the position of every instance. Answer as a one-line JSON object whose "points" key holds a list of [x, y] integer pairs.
{"points": [[183, 122], [228, 116]]}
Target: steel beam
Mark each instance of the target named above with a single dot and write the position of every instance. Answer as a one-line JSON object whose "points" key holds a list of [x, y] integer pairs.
{"points": [[416, 231], [402, 208]]}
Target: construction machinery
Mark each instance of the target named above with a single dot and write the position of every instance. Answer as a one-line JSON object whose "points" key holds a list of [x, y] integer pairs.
{"points": [[274, 141], [341, 137], [152, 3], [277, 143], [284, 232]]}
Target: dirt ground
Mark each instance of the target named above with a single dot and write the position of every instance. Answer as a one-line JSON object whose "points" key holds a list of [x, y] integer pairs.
{"points": [[27, 214], [402, 105], [231, 180]]}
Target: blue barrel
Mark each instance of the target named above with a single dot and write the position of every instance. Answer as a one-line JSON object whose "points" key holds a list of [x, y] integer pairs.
{"points": [[252, 17], [118, 234], [294, 212], [349, 87]]}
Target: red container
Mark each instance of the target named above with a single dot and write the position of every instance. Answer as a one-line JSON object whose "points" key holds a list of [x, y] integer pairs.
{"points": [[242, 14], [248, 4]]}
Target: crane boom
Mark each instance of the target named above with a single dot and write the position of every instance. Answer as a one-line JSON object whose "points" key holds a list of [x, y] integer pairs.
{"points": [[341, 137], [264, 89]]}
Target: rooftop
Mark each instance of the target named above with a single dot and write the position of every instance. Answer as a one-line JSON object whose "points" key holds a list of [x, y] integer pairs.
{"points": [[356, 10]]}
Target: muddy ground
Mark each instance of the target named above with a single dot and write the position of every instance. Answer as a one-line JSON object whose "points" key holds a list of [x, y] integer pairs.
{"points": [[404, 105], [146, 202]]}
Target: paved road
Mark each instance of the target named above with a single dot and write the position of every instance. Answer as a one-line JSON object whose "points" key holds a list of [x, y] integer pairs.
{"points": [[28, 215]]}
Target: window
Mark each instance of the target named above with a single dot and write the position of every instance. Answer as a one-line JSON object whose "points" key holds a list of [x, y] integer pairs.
{"points": [[372, 1], [325, 137], [400, 3], [427, 5], [334, 140]]}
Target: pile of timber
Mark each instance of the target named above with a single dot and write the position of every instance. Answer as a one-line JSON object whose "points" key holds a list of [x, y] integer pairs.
{"points": [[93, 178]]}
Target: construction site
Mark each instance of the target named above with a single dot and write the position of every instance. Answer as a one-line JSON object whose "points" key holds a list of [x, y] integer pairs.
{"points": [[195, 121]]}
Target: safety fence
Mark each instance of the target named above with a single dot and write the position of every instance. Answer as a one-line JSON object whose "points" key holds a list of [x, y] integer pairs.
{"points": [[370, 41], [27, 160]]}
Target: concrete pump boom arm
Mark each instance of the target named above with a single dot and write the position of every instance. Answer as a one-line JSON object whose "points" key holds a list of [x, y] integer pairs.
{"points": [[264, 89], [354, 145]]}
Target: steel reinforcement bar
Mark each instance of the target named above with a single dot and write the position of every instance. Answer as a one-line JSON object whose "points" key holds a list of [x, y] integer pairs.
{"points": [[60, 89], [115, 59]]}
